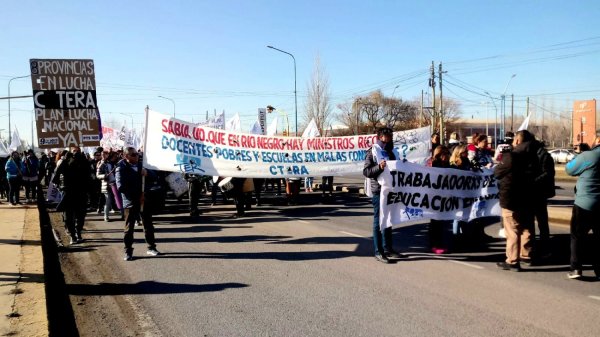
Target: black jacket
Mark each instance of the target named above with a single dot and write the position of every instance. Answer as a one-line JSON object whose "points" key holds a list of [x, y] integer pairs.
{"points": [[516, 175], [129, 183], [544, 181]]}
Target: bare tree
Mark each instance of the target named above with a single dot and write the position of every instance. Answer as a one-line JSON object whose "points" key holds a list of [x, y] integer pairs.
{"points": [[450, 114], [364, 114], [318, 101]]}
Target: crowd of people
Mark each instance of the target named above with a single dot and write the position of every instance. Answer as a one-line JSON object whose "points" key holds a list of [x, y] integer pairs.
{"points": [[525, 174], [114, 184]]}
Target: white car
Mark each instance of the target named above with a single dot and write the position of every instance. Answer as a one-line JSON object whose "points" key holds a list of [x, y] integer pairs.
{"points": [[562, 155]]}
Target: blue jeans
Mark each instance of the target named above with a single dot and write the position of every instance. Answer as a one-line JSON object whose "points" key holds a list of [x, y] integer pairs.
{"points": [[381, 243]]}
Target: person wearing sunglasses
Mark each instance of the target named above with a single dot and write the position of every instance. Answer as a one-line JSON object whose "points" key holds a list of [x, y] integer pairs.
{"points": [[129, 183]]}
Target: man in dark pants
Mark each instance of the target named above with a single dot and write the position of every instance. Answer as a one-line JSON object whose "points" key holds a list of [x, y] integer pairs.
{"points": [[194, 187], [375, 163], [544, 185], [237, 193], [76, 182], [129, 183], [586, 210]]}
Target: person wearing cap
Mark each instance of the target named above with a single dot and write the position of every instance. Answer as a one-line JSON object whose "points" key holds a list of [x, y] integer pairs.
{"points": [[375, 163]]}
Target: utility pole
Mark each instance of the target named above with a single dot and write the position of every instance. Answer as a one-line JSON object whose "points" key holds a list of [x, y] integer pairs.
{"points": [[542, 132], [432, 85], [527, 108], [512, 113], [421, 116], [442, 135]]}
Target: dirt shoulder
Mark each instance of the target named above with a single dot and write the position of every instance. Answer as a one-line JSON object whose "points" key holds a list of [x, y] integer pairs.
{"points": [[29, 315]]}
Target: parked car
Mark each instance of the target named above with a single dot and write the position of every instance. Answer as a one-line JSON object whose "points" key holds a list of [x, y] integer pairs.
{"points": [[562, 155]]}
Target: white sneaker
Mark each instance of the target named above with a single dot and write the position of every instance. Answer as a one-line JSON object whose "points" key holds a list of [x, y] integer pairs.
{"points": [[153, 252], [501, 233]]}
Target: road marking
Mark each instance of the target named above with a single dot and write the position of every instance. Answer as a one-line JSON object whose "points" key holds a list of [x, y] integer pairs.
{"points": [[466, 264], [352, 234], [303, 221], [594, 297]]}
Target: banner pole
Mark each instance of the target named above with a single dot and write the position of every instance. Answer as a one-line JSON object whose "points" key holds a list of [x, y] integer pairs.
{"points": [[144, 157]]}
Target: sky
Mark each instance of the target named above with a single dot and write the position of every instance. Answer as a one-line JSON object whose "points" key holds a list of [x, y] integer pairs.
{"points": [[212, 55]]}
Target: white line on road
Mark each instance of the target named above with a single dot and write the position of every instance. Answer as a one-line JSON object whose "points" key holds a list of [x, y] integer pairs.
{"points": [[352, 234], [594, 297], [303, 221], [466, 264]]}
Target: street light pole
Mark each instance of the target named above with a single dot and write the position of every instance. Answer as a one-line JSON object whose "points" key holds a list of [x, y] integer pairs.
{"points": [[393, 92], [295, 91], [10, 80], [503, 107], [172, 101], [130, 116], [486, 118], [495, 120]]}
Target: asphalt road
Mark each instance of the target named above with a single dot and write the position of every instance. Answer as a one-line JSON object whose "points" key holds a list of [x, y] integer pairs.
{"points": [[308, 270]]}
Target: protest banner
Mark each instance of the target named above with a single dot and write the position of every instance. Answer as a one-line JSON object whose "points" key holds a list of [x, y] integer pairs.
{"points": [[110, 138], [178, 146], [64, 97], [177, 183], [53, 194], [218, 122], [412, 192]]}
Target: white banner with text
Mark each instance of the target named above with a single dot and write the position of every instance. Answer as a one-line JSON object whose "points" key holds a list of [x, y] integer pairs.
{"points": [[178, 146], [412, 192]]}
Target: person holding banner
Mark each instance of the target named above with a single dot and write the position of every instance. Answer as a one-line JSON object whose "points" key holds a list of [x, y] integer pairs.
{"points": [[129, 183], [441, 159], [516, 174], [375, 163]]}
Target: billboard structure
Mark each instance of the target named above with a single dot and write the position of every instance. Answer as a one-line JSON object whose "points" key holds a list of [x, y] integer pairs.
{"points": [[584, 121], [64, 97]]}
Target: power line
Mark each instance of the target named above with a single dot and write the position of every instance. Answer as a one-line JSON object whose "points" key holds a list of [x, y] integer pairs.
{"points": [[532, 51]]}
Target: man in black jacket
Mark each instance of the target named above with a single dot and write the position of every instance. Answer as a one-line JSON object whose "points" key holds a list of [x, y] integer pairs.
{"points": [[516, 173], [129, 183], [74, 172]]}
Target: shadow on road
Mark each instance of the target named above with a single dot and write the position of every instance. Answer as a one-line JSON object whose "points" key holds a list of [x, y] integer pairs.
{"points": [[146, 288]]}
